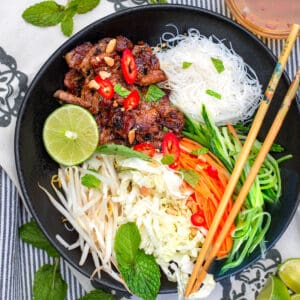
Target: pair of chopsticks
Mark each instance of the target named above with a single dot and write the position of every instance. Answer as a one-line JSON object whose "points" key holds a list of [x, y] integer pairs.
{"points": [[210, 249]]}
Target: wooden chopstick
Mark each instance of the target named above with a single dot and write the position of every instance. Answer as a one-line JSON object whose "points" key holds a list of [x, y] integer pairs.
{"points": [[256, 125], [265, 148]]}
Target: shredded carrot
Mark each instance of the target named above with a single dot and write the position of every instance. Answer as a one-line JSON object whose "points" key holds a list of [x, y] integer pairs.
{"points": [[209, 188]]}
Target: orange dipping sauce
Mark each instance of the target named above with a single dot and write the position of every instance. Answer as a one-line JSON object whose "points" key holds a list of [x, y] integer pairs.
{"points": [[268, 18]]}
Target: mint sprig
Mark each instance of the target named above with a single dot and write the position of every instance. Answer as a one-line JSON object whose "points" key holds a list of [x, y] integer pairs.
{"points": [[32, 234], [139, 270], [50, 13], [48, 283]]}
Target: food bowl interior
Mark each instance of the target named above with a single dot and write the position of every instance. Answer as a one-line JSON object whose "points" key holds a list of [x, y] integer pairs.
{"points": [[146, 23]]}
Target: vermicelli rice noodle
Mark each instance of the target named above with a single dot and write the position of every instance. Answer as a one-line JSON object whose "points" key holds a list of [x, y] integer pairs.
{"points": [[237, 87]]}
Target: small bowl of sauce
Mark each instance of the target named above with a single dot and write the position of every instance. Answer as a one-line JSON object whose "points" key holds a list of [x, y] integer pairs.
{"points": [[267, 18]]}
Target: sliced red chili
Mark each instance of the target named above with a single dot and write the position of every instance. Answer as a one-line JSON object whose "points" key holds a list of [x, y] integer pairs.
{"points": [[145, 148], [170, 145], [197, 219], [106, 89], [212, 171], [132, 100], [128, 66]]}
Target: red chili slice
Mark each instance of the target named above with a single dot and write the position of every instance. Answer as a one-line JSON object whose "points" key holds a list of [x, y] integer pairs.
{"points": [[106, 88], [170, 145], [132, 100], [197, 219], [128, 66], [145, 148], [212, 171]]}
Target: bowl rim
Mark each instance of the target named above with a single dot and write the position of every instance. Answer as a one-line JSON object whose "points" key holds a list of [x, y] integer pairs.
{"points": [[78, 35]]}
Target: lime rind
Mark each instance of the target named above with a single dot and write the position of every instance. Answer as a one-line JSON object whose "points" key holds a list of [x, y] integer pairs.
{"points": [[70, 149], [274, 289], [289, 273]]}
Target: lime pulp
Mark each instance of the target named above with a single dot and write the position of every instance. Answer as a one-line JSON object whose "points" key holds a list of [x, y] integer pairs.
{"points": [[70, 135]]}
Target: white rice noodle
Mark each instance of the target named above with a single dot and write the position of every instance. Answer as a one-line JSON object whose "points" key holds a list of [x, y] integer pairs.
{"points": [[238, 84]]}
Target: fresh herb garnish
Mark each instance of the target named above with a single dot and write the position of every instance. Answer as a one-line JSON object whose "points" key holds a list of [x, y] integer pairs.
{"points": [[218, 64], [190, 176], [48, 283], [154, 93], [186, 64], [213, 94], [241, 127], [32, 234], [96, 295], [90, 181], [113, 149], [199, 151], [139, 270], [49, 13], [168, 159], [120, 90]]}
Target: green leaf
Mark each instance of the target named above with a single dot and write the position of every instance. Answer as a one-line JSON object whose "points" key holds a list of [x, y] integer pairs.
{"points": [[32, 234], [213, 94], [120, 90], [199, 151], [154, 93], [157, 1], [190, 176], [97, 295], [48, 284], [142, 277], [168, 159], [113, 149], [67, 25], [218, 64], [46, 13], [83, 6], [90, 181], [186, 64], [127, 242]]}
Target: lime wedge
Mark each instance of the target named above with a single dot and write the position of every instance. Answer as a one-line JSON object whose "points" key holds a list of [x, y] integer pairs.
{"points": [[289, 273], [274, 290], [70, 135], [295, 297]]}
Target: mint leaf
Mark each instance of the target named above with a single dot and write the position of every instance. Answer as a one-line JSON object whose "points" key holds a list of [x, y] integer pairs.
{"points": [[98, 294], [140, 271], [199, 151], [32, 234], [113, 149], [127, 242], [90, 181], [142, 277], [213, 94], [84, 6], [186, 64], [190, 176], [46, 13], [218, 64], [48, 284], [120, 90], [168, 159], [67, 25], [154, 93]]}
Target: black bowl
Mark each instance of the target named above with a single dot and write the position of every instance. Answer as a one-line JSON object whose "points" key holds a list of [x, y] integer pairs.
{"points": [[144, 23]]}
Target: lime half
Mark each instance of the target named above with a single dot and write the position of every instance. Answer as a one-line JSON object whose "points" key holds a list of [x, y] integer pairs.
{"points": [[295, 297], [70, 135], [289, 273], [274, 290]]}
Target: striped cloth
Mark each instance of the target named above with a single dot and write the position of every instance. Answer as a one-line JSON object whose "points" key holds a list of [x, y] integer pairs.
{"points": [[19, 261]]}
